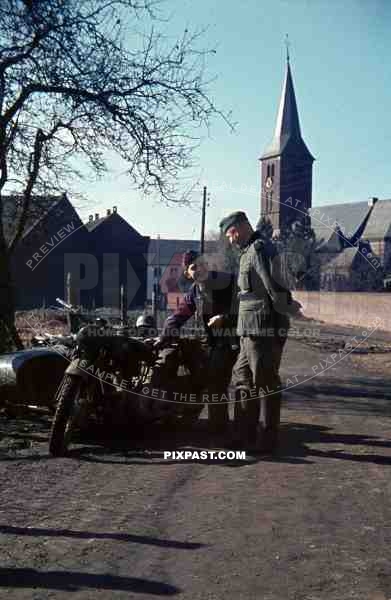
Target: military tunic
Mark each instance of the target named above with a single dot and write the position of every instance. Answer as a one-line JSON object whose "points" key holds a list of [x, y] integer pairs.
{"points": [[263, 325]]}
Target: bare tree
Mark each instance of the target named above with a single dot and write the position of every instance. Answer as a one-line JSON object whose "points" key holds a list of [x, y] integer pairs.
{"points": [[80, 79]]}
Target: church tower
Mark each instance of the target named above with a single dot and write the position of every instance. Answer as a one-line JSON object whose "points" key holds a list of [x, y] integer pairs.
{"points": [[286, 165]]}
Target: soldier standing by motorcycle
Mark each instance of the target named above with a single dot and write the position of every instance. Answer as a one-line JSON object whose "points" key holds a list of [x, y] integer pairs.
{"points": [[263, 324], [212, 295]]}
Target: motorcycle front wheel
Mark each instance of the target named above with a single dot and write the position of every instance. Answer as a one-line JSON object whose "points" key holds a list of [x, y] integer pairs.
{"points": [[67, 402]]}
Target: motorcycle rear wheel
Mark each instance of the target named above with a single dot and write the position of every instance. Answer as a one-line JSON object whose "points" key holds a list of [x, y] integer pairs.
{"points": [[66, 400]]}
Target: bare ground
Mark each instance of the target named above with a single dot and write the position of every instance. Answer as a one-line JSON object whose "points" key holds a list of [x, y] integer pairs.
{"points": [[312, 523]]}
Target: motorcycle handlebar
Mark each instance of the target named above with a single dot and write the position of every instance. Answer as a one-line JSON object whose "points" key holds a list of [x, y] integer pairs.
{"points": [[69, 307]]}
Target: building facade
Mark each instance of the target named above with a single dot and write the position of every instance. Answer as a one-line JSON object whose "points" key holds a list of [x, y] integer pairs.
{"points": [[52, 231], [118, 257], [356, 250], [100, 256]]}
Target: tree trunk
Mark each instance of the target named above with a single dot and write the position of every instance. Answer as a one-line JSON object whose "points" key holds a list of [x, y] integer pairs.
{"points": [[9, 338]]}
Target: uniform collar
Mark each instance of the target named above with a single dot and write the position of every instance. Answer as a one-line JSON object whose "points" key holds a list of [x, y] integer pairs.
{"points": [[254, 236]]}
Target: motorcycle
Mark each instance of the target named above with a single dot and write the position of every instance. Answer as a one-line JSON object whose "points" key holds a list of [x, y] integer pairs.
{"points": [[30, 377], [75, 319], [123, 382]]}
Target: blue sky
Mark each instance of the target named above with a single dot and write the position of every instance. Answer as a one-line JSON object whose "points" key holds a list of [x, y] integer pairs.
{"points": [[341, 65]]}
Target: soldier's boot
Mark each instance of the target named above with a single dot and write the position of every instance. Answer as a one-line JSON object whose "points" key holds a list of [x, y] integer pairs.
{"points": [[218, 417], [271, 414], [247, 410], [238, 434]]}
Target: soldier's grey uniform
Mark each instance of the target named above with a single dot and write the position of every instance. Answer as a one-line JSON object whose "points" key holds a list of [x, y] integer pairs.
{"points": [[263, 327]]}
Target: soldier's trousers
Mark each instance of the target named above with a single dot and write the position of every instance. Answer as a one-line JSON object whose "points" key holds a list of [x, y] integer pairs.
{"points": [[221, 360], [257, 382]]}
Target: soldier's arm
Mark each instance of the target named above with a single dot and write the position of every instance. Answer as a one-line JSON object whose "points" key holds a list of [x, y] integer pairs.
{"points": [[232, 316], [185, 310], [280, 296]]}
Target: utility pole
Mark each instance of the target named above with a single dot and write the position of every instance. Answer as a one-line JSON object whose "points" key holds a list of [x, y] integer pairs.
{"points": [[156, 284], [123, 305], [202, 245]]}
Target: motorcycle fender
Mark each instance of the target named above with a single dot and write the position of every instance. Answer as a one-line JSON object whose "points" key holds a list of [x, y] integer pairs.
{"points": [[78, 368]]}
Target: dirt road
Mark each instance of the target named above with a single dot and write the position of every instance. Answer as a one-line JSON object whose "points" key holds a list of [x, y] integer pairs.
{"points": [[313, 523]]}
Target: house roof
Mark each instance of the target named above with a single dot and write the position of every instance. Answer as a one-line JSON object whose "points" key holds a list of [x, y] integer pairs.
{"points": [[343, 259], [349, 216], [112, 217], [39, 208]]}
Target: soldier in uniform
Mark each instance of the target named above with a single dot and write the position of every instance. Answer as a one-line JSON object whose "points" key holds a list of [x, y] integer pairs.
{"points": [[212, 296], [263, 322]]}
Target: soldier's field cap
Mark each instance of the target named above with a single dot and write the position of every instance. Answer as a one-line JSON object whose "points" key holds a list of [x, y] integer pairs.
{"points": [[234, 218], [189, 257]]}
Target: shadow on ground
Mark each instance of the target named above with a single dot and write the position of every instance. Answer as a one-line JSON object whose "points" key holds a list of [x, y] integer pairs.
{"points": [[87, 535], [354, 396], [72, 581]]}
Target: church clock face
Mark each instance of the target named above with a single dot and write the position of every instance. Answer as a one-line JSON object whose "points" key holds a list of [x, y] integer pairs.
{"points": [[268, 183]]}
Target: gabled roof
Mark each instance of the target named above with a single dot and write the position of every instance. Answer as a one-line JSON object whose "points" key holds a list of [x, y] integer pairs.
{"points": [[40, 206], [113, 217], [91, 225], [342, 260], [330, 244], [287, 132], [349, 216]]}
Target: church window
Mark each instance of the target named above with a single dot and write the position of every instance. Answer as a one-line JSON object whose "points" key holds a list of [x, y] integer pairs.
{"points": [[272, 171]]}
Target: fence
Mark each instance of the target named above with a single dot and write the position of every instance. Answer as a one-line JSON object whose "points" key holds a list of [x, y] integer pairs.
{"points": [[347, 308]]}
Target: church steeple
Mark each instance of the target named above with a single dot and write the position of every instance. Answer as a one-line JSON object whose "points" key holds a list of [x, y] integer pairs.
{"points": [[287, 129], [286, 164]]}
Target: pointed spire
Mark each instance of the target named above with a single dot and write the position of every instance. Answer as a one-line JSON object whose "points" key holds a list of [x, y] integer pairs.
{"points": [[288, 124], [287, 47]]}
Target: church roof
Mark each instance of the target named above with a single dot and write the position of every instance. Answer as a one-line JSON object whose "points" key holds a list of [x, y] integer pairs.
{"points": [[342, 260], [349, 216], [287, 132]]}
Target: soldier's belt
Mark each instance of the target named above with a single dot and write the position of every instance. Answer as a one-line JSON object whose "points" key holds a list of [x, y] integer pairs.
{"points": [[245, 296]]}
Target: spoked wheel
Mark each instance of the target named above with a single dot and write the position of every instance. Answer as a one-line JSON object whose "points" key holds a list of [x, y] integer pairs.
{"points": [[67, 414]]}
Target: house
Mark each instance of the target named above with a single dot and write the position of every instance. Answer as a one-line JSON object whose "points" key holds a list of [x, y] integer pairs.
{"points": [[40, 260], [349, 216], [99, 255], [118, 256], [350, 270]]}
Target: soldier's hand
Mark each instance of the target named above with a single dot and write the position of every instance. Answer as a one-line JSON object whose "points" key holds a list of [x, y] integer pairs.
{"points": [[294, 309], [160, 343], [216, 321]]}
